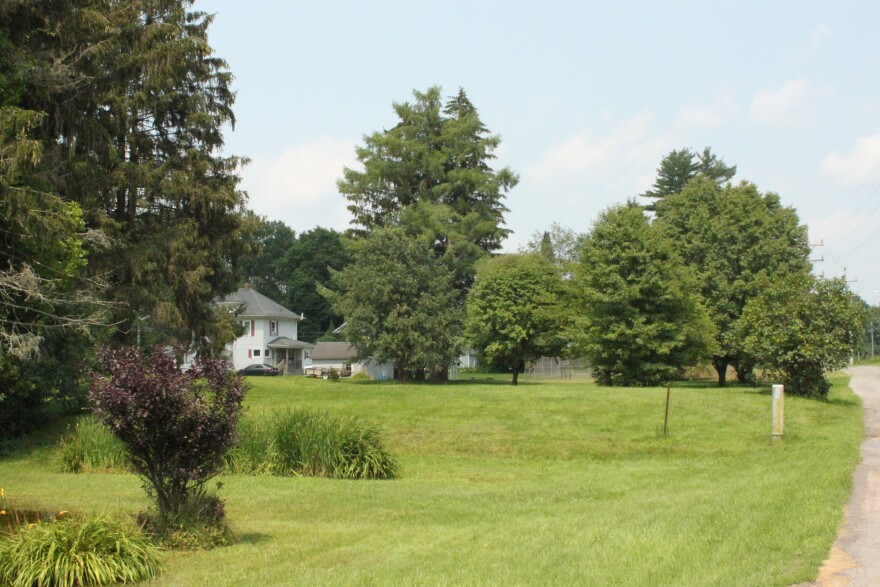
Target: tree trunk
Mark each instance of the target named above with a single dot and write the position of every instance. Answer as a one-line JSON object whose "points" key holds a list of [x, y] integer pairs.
{"points": [[745, 371], [720, 364], [517, 369]]}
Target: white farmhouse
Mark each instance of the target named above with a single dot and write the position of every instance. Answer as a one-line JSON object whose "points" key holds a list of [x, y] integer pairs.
{"points": [[270, 332]]}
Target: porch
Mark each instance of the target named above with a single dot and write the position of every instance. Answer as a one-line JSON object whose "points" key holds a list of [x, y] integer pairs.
{"points": [[288, 354]]}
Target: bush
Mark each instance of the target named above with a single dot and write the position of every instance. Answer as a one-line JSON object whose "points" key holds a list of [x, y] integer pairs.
{"points": [[312, 444], [90, 446], [800, 329], [333, 374], [296, 443], [93, 551], [199, 523], [176, 427], [360, 376]]}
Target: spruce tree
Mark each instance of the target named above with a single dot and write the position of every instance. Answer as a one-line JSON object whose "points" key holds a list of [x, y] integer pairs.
{"points": [[430, 174], [135, 101]]}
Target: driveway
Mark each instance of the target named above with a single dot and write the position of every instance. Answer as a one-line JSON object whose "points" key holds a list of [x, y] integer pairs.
{"points": [[854, 560]]}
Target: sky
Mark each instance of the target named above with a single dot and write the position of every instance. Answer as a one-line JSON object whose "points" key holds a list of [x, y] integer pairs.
{"points": [[587, 98]]}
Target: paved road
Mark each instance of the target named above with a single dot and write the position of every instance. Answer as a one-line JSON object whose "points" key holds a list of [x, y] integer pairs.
{"points": [[854, 560]]}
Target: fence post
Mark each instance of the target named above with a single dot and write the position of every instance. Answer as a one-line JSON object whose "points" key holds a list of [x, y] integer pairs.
{"points": [[778, 410]]}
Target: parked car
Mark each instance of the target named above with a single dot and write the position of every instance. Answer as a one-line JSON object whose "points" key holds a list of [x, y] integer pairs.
{"points": [[258, 369]]}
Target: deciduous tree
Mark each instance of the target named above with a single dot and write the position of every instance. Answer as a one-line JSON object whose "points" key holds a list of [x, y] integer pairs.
{"points": [[801, 328], [515, 310], [399, 304], [735, 241], [176, 427], [289, 269], [640, 321]]}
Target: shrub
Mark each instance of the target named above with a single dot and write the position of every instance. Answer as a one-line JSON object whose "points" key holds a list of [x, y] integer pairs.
{"points": [[91, 446], [360, 376], [176, 427], [93, 551], [333, 374], [295, 443], [800, 329], [199, 523], [312, 444]]}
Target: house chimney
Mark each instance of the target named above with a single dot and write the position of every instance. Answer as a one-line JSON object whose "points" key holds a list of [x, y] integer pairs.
{"points": [[247, 285]]}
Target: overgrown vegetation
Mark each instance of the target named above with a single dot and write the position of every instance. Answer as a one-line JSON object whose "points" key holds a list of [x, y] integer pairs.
{"points": [[315, 444], [74, 552], [294, 443]]}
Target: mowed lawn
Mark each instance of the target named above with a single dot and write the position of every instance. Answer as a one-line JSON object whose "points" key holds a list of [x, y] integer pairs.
{"points": [[547, 483]]}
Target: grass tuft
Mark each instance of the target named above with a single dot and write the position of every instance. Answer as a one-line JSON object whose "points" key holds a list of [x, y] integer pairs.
{"points": [[91, 447], [94, 551], [313, 444], [306, 443]]}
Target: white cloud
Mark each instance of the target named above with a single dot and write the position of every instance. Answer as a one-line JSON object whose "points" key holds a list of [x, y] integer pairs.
{"points": [[586, 151], [859, 165], [815, 39], [711, 116], [298, 186], [790, 105]]}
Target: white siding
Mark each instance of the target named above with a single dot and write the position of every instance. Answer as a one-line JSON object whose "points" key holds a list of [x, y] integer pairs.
{"points": [[259, 340]]}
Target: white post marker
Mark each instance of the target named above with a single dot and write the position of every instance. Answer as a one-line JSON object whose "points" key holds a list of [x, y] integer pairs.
{"points": [[778, 410]]}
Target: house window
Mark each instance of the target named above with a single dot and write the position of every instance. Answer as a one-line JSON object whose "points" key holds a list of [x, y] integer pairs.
{"points": [[266, 353], [273, 328], [248, 328], [307, 354], [256, 352]]}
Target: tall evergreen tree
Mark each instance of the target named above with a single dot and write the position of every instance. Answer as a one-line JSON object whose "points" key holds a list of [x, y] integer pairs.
{"points": [[430, 174], [135, 102], [681, 166]]}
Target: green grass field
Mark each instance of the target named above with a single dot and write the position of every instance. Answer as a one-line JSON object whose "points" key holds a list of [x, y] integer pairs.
{"points": [[547, 483]]}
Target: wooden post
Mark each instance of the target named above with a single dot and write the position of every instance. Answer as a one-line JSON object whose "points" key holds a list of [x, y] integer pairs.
{"points": [[666, 417], [778, 410]]}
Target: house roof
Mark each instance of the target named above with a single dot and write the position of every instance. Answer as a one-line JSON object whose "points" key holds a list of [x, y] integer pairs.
{"points": [[282, 342], [325, 351], [257, 305]]}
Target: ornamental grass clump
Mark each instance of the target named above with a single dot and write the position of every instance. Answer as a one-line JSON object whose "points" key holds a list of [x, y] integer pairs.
{"points": [[313, 444], [90, 446], [73, 552], [176, 427]]}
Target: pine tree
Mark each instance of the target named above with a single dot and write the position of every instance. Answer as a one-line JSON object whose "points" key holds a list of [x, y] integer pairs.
{"points": [[681, 166]]}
